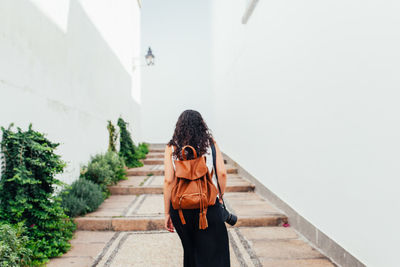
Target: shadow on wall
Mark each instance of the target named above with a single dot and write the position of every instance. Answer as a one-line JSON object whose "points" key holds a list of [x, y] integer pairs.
{"points": [[61, 80], [77, 50], [81, 28]]}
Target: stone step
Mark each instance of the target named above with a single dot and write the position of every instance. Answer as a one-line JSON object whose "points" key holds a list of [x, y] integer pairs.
{"points": [[154, 155], [126, 190], [158, 161], [146, 212], [154, 185], [159, 170], [153, 161], [157, 150], [248, 246]]}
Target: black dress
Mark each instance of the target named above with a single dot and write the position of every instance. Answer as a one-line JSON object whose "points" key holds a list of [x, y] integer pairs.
{"points": [[203, 248]]}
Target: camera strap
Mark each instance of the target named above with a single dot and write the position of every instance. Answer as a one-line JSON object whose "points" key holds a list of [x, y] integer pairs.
{"points": [[215, 170]]}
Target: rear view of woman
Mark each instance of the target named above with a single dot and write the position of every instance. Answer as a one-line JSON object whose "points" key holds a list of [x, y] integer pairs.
{"points": [[201, 247]]}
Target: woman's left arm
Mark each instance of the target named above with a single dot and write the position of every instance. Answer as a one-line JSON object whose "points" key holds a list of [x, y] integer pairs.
{"points": [[169, 176]]}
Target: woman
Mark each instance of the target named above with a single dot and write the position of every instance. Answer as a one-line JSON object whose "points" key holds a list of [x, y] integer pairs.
{"points": [[201, 247]]}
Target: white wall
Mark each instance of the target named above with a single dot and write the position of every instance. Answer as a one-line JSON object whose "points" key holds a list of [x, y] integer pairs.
{"points": [[66, 66], [307, 100], [179, 33]]}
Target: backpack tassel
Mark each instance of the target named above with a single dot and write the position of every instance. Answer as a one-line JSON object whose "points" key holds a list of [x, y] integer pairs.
{"points": [[202, 215], [181, 216], [203, 224]]}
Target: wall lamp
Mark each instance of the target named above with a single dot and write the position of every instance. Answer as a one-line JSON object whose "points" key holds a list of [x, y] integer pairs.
{"points": [[149, 57]]}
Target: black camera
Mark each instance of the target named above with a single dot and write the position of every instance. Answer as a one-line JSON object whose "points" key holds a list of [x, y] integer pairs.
{"points": [[227, 216]]}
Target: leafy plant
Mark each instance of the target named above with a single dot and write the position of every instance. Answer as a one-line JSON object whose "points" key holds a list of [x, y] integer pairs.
{"points": [[112, 137], [117, 165], [104, 170], [141, 151], [144, 147], [13, 250], [81, 197], [27, 186], [99, 172], [127, 147]]}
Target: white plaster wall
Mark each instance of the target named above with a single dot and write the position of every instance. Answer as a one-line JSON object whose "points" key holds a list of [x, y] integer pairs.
{"points": [[307, 100], [66, 67], [179, 33]]}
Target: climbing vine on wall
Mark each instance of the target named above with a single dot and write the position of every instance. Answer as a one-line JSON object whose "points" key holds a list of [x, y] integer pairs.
{"points": [[27, 185]]}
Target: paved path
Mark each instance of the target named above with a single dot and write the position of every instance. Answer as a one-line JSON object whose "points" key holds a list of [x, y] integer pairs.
{"points": [[127, 229]]}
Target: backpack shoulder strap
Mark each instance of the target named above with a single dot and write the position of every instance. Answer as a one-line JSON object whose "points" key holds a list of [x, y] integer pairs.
{"points": [[215, 167]]}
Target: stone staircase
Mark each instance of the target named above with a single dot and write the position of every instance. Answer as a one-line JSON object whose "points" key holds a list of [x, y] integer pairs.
{"points": [[128, 228]]}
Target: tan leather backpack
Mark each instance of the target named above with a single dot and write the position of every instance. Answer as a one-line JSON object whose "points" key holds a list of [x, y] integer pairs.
{"points": [[193, 188]]}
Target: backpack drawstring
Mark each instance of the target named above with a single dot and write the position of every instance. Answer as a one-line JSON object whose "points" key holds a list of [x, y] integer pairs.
{"points": [[203, 224]]}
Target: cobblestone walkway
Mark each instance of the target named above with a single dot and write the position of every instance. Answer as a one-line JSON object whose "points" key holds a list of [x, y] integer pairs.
{"points": [[127, 229]]}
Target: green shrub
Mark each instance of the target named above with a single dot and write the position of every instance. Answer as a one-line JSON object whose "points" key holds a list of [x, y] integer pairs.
{"points": [[73, 205], [27, 186], [139, 154], [141, 151], [116, 164], [13, 250], [127, 147], [112, 137], [144, 147], [104, 170], [81, 197], [99, 172]]}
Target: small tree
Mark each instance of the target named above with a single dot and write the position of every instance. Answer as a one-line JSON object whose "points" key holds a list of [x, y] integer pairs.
{"points": [[112, 137], [126, 146]]}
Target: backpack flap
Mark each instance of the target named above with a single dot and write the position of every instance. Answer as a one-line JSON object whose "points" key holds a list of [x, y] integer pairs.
{"points": [[191, 169]]}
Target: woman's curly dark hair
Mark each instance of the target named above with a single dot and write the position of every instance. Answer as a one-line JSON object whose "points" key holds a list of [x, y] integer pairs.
{"points": [[192, 130]]}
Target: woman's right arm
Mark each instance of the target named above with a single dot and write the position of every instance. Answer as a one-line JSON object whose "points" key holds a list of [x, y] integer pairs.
{"points": [[221, 171]]}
